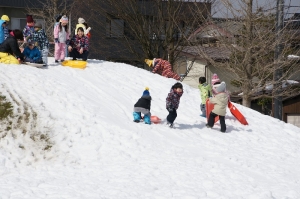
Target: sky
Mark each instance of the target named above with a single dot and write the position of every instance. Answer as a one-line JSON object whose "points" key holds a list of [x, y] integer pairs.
{"points": [[96, 151]]}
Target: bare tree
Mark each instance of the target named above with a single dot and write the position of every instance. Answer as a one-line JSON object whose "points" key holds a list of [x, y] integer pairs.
{"points": [[251, 50], [148, 29], [49, 10]]}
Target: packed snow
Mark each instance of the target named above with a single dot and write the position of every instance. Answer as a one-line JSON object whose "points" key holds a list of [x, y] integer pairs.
{"points": [[73, 137]]}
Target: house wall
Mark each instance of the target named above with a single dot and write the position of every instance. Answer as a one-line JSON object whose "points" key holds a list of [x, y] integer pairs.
{"points": [[224, 75], [291, 107], [197, 70]]}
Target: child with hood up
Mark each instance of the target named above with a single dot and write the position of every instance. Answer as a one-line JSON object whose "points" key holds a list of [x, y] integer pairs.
{"points": [[143, 105], [172, 103], [86, 29], [205, 92], [220, 101], [29, 29], [5, 28]]}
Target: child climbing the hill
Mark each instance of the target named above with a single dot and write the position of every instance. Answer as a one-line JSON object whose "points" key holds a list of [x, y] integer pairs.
{"points": [[61, 37], [205, 93], [220, 101], [172, 103], [162, 67], [143, 105]]}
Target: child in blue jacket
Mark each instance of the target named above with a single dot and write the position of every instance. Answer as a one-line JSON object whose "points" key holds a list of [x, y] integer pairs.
{"points": [[32, 54]]}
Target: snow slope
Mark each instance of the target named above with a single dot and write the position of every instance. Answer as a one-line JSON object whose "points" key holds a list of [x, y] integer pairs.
{"points": [[94, 150]]}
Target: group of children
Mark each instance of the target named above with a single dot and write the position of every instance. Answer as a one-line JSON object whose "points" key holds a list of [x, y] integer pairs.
{"points": [[216, 94], [37, 43]]}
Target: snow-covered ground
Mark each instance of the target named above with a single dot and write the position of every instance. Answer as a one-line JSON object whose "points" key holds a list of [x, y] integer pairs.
{"points": [[94, 150]]}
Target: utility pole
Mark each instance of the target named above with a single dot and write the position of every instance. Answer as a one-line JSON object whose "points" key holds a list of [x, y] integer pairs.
{"points": [[278, 60]]}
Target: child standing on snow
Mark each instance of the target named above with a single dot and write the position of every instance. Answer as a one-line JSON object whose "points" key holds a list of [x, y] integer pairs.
{"points": [[5, 28], [220, 101], [172, 102], [29, 28], [61, 37], [205, 92], [214, 81], [143, 105], [41, 38]]}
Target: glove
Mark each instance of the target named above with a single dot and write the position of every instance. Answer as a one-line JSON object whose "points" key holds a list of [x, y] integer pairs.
{"points": [[56, 40]]}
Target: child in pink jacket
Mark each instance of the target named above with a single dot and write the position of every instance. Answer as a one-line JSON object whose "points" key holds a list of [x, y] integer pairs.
{"points": [[61, 37]]}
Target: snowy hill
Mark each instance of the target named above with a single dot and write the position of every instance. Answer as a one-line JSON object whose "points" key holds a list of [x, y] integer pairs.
{"points": [[73, 137]]}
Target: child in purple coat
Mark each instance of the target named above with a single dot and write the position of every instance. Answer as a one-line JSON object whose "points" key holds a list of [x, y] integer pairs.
{"points": [[172, 102]]}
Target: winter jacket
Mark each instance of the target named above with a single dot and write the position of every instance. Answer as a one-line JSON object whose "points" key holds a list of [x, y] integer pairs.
{"points": [[77, 42], [205, 91], [27, 32], [61, 34], [33, 54], [143, 105], [220, 102], [6, 33], [41, 38], [164, 68], [173, 100], [10, 46], [2, 37]]}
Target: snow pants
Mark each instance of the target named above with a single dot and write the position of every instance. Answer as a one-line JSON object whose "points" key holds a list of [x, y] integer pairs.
{"points": [[211, 121], [172, 116], [44, 54], [137, 116], [60, 51], [6, 58]]}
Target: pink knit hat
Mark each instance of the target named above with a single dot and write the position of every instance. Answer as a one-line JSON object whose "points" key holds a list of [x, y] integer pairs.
{"points": [[215, 79], [64, 19]]}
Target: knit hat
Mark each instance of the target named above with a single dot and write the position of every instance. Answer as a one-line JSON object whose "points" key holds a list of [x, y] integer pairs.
{"points": [[220, 87], [215, 79], [149, 62], [64, 19], [146, 92], [5, 18], [29, 19], [81, 20], [38, 25]]}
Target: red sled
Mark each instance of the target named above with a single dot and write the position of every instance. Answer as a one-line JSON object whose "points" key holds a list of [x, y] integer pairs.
{"points": [[154, 119], [237, 114], [209, 107]]}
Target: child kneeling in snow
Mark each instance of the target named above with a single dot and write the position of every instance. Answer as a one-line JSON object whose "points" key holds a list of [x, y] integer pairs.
{"points": [[220, 101], [143, 106], [32, 54]]}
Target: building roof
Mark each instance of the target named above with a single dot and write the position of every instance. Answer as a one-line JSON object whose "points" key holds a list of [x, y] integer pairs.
{"points": [[221, 53]]}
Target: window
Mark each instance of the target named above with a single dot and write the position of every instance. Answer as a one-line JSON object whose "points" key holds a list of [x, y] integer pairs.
{"points": [[114, 27], [20, 23]]}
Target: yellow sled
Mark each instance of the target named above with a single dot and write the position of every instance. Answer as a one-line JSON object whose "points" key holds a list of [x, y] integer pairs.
{"points": [[75, 64]]}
